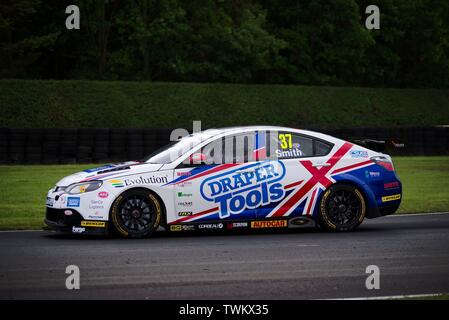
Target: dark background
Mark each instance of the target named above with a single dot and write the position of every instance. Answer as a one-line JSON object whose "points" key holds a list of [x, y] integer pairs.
{"points": [[68, 146], [136, 69], [312, 42]]}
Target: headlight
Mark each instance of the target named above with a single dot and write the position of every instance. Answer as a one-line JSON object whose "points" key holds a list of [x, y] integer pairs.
{"points": [[83, 187]]}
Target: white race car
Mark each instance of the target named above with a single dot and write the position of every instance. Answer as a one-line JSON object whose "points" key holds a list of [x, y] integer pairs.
{"points": [[231, 178]]}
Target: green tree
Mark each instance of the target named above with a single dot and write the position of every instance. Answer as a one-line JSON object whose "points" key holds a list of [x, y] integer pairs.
{"points": [[228, 42], [24, 38], [326, 40], [151, 39]]}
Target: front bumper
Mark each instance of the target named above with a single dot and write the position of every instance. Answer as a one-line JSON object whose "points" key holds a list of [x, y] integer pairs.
{"points": [[71, 221]]}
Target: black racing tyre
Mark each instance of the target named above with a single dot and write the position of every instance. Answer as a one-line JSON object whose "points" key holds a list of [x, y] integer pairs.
{"points": [[136, 213], [342, 208]]}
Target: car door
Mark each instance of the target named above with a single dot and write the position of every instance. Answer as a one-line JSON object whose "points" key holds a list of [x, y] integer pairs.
{"points": [[212, 185], [302, 158]]}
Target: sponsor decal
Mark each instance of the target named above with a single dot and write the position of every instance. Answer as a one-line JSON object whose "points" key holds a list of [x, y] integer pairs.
{"points": [[372, 174], [185, 213], [391, 198], [358, 154], [182, 174], [68, 212], [291, 153], [117, 183], [78, 229], [103, 194], [95, 217], [391, 185], [269, 224], [176, 227], [96, 205], [246, 187], [49, 202], [185, 204], [182, 227], [137, 181], [210, 226], [145, 180], [236, 225], [182, 194], [73, 202], [96, 224]]}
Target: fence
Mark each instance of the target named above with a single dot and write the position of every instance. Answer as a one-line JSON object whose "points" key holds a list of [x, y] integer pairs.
{"points": [[65, 146]]}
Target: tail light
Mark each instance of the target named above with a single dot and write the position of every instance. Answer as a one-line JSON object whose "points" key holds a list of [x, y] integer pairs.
{"points": [[385, 162]]}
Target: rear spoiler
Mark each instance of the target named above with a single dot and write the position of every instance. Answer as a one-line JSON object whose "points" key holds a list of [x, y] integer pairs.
{"points": [[378, 145]]}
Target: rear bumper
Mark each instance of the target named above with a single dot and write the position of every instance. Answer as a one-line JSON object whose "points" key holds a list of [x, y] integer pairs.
{"points": [[382, 211], [385, 211], [58, 220]]}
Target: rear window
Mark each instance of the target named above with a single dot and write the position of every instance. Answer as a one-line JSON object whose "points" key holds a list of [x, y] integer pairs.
{"points": [[321, 148]]}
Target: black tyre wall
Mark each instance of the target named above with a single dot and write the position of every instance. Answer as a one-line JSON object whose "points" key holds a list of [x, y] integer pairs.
{"points": [[52, 146]]}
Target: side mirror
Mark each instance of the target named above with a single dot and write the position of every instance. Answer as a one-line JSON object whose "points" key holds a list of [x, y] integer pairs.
{"points": [[197, 158]]}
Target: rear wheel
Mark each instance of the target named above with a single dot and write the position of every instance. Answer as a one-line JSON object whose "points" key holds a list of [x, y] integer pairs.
{"points": [[136, 213], [342, 208]]}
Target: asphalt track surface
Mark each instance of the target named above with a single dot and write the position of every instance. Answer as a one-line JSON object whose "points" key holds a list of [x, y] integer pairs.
{"points": [[412, 253]]}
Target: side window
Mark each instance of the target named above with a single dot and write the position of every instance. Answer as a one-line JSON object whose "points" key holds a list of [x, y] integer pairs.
{"points": [[240, 148], [260, 146], [213, 152], [321, 148], [230, 149], [291, 145]]}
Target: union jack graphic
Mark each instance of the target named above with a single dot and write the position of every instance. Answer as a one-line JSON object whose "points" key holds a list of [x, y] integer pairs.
{"points": [[320, 180], [260, 148], [301, 191]]}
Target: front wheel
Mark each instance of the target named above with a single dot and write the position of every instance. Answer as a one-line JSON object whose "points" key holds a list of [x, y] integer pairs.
{"points": [[136, 213], [342, 208]]}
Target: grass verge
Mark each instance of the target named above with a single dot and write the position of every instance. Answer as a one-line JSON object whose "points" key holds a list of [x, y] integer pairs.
{"points": [[23, 189]]}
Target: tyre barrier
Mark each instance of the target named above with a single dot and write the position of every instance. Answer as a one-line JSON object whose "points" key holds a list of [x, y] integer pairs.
{"points": [[99, 145]]}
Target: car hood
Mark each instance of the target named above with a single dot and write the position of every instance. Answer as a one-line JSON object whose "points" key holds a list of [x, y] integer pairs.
{"points": [[105, 172]]}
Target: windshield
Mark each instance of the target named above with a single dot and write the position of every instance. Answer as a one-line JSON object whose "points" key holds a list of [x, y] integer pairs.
{"points": [[175, 149]]}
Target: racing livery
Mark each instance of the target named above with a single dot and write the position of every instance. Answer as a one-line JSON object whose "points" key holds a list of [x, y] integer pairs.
{"points": [[232, 178]]}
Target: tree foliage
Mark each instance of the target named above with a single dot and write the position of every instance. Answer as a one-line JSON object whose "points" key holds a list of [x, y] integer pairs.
{"points": [[256, 41]]}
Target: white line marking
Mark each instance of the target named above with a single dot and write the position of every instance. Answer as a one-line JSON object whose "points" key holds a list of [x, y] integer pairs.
{"points": [[417, 214], [394, 215], [394, 297], [10, 231]]}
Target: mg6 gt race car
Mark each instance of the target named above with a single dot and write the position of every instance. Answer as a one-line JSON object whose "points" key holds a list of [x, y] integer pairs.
{"points": [[231, 178]]}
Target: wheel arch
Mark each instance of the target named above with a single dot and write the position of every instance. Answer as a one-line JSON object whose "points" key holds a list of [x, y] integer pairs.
{"points": [[368, 195], [163, 206], [323, 219]]}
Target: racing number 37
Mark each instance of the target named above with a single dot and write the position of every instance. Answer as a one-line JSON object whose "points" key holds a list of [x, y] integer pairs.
{"points": [[286, 140]]}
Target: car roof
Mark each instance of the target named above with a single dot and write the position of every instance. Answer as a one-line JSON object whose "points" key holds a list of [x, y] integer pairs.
{"points": [[234, 130]]}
